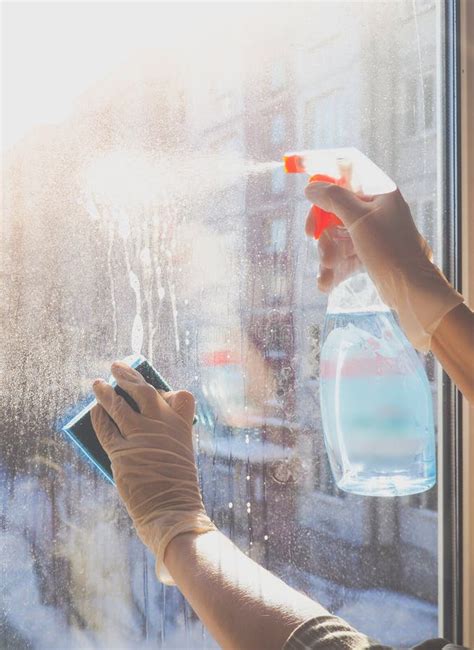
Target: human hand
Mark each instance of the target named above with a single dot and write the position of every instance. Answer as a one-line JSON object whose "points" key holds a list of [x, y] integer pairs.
{"points": [[384, 240], [152, 459]]}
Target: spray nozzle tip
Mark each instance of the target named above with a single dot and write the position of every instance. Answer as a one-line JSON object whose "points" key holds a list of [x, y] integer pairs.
{"points": [[293, 164]]}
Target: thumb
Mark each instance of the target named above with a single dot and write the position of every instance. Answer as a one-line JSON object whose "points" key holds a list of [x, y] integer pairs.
{"points": [[182, 402], [343, 203]]}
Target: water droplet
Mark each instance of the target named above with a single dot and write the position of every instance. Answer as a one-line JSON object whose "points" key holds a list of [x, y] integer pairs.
{"points": [[231, 505], [247, 477], [265, 537], [248, 504]]}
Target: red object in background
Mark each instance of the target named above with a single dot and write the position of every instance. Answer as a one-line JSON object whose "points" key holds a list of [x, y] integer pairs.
{"points": [[220, 358], [322, 218]]}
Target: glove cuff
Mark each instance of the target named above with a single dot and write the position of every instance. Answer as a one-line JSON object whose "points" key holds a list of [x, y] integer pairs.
{"points": [[422, 297], [160, 532]]}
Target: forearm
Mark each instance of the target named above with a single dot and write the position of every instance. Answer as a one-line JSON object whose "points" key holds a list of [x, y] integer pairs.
{"points": [[453, 345], [241, 604]]}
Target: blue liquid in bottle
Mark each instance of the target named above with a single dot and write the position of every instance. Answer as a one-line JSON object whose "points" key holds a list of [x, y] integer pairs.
{"points": [[375, 396]]}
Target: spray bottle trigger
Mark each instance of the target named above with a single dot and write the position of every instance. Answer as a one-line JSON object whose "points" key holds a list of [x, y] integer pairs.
{"points": [[321, 218]]}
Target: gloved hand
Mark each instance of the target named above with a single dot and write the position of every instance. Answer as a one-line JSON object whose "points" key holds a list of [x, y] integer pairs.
{"points": [[152, 459], [384, 240]]}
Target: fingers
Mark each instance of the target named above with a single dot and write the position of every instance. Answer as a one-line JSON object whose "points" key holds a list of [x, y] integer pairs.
{"points": [[330, 277], [144, 394], [114, 405], [334, 249], [310, 225], [325, 279], [106, 431], [333, 198], [182, 402], [151, 403]]}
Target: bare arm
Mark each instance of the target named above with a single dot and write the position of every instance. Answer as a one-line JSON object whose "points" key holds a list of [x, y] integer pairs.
{"points": [[453, 345], [241, 604]]}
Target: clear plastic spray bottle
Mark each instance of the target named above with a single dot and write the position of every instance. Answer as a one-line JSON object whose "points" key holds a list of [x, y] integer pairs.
{"points": [[376, 402]]}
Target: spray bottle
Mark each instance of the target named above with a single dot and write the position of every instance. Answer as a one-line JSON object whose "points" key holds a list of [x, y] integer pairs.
{"points": [[376, 403]]}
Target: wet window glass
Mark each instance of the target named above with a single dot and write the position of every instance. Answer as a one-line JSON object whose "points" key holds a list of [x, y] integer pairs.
{"points": [[146, 211]]}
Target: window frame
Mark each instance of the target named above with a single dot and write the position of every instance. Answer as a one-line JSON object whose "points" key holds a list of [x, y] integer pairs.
{"points": [[455, 501], [467, 195]]}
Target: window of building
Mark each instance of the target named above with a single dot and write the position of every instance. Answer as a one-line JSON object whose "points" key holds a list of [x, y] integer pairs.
{"points": [[278, 75], [278, 127], [323, 124], [278, 181], [278, 234]]}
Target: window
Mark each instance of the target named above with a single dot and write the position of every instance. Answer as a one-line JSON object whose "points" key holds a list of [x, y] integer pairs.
{"points": [[278, 229], [323, 127], [278, 286], [278, 181], [410, 106], [278, 129], [429, 224], [429, 101], [134, 226], [278, 75], [418, 105]]}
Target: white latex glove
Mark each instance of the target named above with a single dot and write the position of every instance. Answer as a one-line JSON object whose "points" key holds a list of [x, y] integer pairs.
{"points": [[386, 241], [152, 459]]}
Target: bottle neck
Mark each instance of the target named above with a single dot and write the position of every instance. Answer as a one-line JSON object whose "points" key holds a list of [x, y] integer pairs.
{"points": [[356, 294]]}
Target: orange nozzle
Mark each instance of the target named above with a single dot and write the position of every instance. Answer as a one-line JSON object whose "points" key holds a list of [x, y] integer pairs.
{"points": [[293, 164], [321, 218]]}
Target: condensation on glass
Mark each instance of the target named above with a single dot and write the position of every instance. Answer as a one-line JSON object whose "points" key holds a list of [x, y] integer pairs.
{"points": [[156, 220]]}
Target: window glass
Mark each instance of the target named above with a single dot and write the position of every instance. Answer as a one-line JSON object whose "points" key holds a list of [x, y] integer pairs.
{"points": [[278, 130], [145, 210], [278, 74], [429, 100], [323, 124], [410, 103], [278, 234], [278, 181]]}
